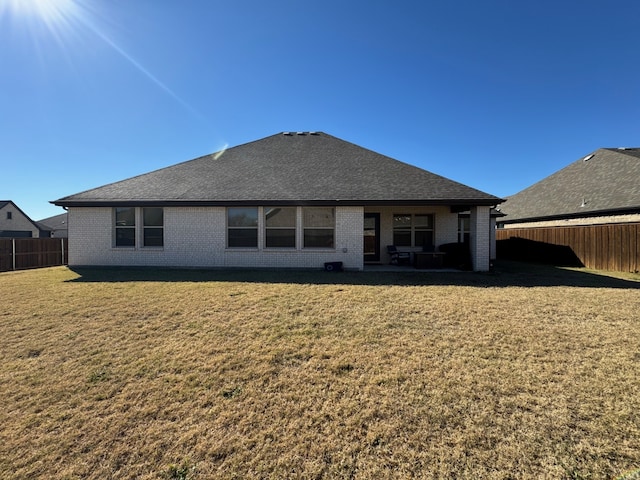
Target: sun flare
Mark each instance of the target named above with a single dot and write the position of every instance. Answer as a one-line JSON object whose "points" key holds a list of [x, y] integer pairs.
{"points": [[48, 11]]}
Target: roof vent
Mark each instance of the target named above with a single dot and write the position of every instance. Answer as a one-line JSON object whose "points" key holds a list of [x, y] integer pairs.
{"points": [[286, 133], [314, 133], [622, 148], [300, 133], [587, 158], [584, 202]]}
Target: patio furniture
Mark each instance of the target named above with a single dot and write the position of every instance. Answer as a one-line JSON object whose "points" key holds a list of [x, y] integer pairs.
{"points": [[398, 257], [429, 260]]}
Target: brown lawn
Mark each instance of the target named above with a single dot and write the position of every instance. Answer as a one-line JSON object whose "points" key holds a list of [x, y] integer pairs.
{"points": [[528, 372]]}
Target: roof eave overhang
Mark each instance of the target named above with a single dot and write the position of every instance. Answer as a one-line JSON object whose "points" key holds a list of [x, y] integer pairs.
{"points": [[593, 213], [219, 203]]}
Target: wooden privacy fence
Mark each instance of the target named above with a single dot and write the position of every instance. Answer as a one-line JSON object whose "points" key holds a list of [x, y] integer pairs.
{"points": [[601, 247], [23, 253]]}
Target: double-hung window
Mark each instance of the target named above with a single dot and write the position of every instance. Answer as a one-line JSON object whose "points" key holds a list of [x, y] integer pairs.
{"points": [[153, 227], [464, 229], [125, 226], [423, 231], [413, 230], [402, 230], [242, 227], [280, 227], [319, 225]]}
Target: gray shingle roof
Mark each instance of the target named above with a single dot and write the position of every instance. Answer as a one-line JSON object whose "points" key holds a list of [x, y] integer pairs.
{"points": [[606, 181], [54, 223], [312, 168]]}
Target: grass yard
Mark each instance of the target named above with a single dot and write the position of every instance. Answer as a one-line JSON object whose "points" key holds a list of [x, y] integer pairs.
{"points": [[528, 372]]}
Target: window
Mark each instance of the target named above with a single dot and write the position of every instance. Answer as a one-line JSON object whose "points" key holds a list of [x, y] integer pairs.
{"points": [[413, 230], [464, 229], [402, 230], [153, 223], [9, 215], [242, 227], [125, 226], [423, 231], [319, 227], [280, 227]]}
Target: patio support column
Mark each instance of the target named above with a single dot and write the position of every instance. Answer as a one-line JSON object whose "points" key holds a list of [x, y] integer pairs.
{"points": [[480, 238]]}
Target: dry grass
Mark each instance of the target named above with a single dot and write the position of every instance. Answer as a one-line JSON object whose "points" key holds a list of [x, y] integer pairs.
{"points": [[149, 375]]}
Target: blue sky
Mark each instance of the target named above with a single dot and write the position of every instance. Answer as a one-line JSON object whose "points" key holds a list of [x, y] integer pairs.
{"points": [[495, 94]]}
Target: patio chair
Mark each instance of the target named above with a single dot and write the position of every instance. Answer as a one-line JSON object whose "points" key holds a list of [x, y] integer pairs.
{"points": [[398, 257]]}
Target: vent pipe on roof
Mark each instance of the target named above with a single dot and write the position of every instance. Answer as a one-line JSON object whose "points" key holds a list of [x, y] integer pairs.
{"points": [[587, 158], [584, 202]]}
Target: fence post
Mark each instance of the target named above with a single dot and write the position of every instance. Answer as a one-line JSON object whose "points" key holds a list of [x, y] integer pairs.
{"points": [[13, 253]]}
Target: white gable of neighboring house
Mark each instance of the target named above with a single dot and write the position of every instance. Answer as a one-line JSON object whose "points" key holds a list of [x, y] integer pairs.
{"points": [[14, 223]]}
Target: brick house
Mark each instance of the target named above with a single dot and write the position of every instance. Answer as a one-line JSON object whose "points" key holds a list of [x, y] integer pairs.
{"points": [[290, 200]]}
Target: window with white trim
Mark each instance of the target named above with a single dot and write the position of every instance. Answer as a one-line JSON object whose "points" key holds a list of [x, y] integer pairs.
{"points": [[280, 227], [319, 225], [242, 227], [413, 230], [464, 229], [152, 227], [124, 226]]}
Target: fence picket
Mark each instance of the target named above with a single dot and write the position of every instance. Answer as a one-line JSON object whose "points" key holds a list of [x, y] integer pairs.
{"points": [[602, 247], [24, 253]]}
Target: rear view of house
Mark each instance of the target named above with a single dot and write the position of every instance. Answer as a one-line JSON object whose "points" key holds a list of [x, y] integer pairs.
{"points": [[291, 200]]}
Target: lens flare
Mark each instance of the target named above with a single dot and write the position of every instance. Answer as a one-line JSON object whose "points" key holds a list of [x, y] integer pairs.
{"points": [[63, 18], [48, 11]]}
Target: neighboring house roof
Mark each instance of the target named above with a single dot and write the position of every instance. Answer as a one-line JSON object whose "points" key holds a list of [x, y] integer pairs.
{"points": [[57, 222], [286, 168], [606, 181]]}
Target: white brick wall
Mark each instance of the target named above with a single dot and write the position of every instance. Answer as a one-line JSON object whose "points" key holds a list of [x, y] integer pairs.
{"points": [[480, 238], [492, 239], [196, 237]]}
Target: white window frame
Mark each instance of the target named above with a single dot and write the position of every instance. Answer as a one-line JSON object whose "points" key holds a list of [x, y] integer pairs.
{"points": [[138, 228], [331, 228], [229, 228], [413, 228], [267, 228]]}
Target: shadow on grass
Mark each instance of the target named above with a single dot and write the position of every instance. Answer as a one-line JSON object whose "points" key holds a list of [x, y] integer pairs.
{"points": [[505, 274]]}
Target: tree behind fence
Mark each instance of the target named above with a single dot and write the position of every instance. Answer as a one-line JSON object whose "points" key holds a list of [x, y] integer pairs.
{"points": [[24, 253], [602, 247]]}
